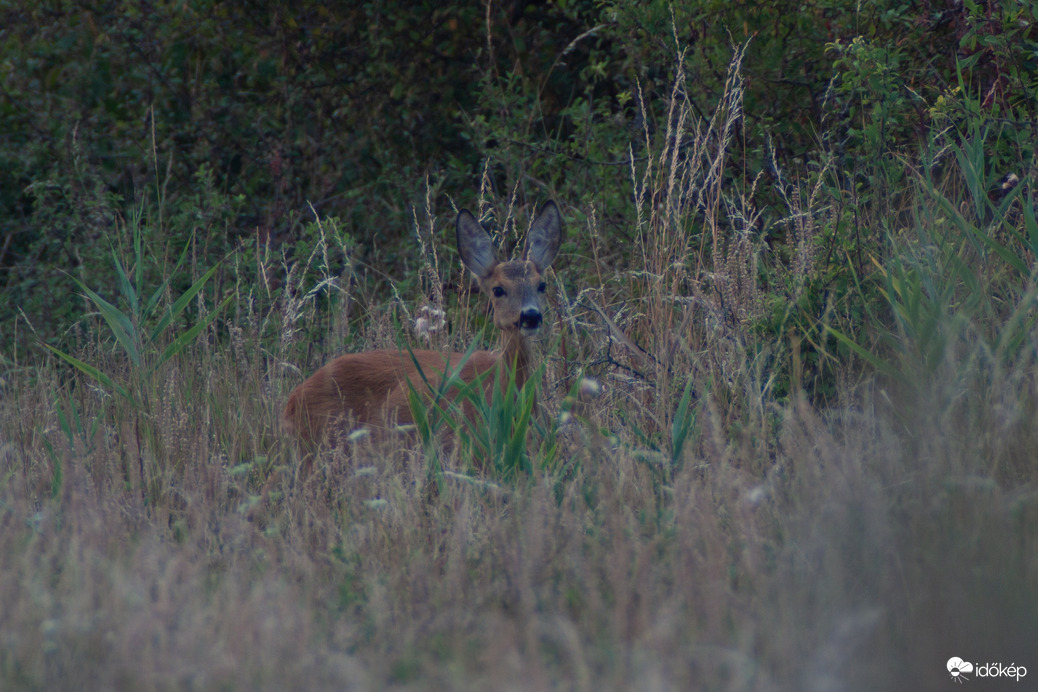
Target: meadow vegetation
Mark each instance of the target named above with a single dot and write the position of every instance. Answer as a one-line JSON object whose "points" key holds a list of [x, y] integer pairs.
{"points": [[784, 427]]}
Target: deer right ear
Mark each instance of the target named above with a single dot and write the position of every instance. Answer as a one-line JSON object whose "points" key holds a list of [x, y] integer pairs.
{"points": [[542, 242], [475, 246]]}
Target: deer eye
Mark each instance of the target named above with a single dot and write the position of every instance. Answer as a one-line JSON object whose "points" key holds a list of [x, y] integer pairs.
{"points": [[541, 287], [498, 291]]}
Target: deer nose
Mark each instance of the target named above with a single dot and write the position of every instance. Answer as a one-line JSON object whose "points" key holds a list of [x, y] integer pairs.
{"points": [[530, 319]]}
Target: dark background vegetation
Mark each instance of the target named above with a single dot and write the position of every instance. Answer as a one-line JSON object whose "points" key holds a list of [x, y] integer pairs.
{"points": [[252, 117], [784, 436]]}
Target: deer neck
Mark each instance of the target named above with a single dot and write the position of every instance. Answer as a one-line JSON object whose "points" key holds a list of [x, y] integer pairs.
{"points": [[516, 352]]}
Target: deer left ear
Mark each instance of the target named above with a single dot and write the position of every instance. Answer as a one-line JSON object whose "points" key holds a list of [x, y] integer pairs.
{"points": [[545, 236], [475, 245]]}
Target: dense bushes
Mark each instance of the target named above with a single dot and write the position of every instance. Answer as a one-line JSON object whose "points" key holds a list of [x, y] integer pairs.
{"points": [[234, 123]]}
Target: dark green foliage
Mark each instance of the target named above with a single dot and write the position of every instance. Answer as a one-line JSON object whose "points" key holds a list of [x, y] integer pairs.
{"points": [[235, 122]]}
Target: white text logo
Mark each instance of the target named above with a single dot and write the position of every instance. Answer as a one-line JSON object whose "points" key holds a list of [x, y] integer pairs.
{"points": [[957, 669]]}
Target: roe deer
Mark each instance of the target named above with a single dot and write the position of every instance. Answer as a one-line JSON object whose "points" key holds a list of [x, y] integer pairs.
{"points": [[373, 386]]}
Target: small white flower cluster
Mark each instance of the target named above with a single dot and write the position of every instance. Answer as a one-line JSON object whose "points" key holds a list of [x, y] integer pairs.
{"points": [[429, 321]]}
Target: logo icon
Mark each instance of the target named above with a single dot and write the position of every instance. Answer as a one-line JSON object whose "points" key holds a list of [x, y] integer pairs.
{"points": [[958, 668]]}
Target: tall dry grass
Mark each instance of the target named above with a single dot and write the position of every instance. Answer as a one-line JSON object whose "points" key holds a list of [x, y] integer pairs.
{"points": [[692, 531]]}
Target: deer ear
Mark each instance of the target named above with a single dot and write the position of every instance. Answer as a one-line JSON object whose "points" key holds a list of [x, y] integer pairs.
{"points": [[475, 246], [545, 236]]}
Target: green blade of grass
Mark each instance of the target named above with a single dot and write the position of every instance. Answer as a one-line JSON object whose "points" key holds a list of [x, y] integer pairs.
{"points": [[684, 421], [153, 300], [181, 303], [121, 326], [93, 372], [863, 353], [187, 337], [125, 286]]}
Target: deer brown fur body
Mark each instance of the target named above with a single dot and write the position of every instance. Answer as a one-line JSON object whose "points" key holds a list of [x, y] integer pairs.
{"points": [[372, 387]]}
